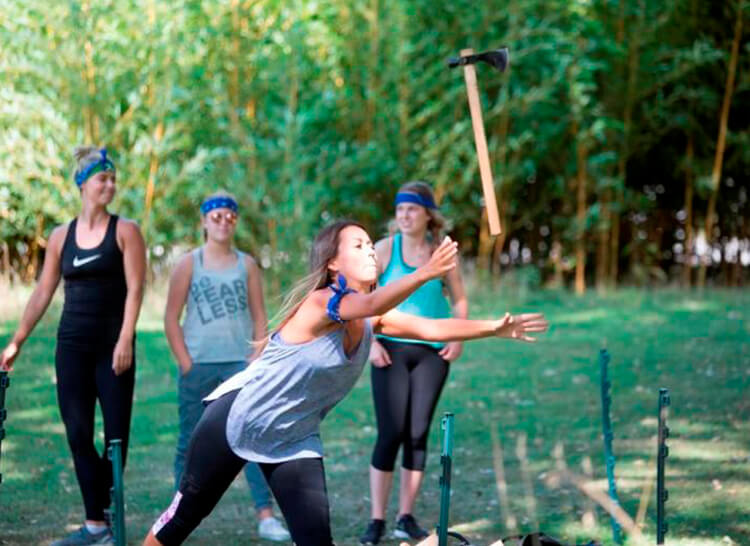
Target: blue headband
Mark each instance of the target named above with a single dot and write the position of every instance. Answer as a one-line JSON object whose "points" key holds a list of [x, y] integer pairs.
{"points": [[222, 202], [101, 165], [408, 197]]}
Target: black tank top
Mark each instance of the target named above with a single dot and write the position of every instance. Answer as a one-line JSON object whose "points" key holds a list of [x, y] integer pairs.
{"points": [[95, 288]]}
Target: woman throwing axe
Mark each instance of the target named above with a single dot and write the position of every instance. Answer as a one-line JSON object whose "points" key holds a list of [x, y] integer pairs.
{"points": [[270, 413]]}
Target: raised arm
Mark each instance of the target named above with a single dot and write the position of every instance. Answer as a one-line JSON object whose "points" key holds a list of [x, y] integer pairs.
{"points": [[40, 297], [397, 324], [380, 300], [134, 259], [179, 287]]}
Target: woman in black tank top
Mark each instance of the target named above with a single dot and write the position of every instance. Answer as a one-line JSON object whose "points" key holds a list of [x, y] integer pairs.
{"points": [[102, 259]]}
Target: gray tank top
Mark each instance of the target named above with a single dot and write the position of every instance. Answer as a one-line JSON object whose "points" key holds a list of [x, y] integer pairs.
{"points": [[218, 326], [285, 394]]}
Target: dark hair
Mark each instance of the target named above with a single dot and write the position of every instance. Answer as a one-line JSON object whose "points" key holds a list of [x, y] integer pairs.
{"points": [[436, 224], [324, 250]]}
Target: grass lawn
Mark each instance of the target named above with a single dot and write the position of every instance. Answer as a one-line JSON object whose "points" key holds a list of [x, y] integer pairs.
{"points": [[522, 411]]}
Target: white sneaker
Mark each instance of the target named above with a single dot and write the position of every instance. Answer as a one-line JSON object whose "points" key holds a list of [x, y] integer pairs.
{"points": [[273, 529]]}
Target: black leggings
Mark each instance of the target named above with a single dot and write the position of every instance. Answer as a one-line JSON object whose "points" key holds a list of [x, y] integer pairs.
{"points": [[84, 374], [405, 396], [210, 468]]}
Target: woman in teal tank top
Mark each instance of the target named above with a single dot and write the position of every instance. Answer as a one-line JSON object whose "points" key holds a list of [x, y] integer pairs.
{"points": [[408, 375], [223, 292]]}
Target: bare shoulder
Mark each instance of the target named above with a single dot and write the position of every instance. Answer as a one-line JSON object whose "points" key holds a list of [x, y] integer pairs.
{"points": [[127, 227], [384, 244], [59, 233], [57, 237], [251, 263], [383, 252], [184, 265]]}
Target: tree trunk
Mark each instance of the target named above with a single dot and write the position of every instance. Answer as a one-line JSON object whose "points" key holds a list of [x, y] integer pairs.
{"points": [[602, 249], [687, 266], [153, 168], [33, 262], [721, 142], [627, 117], [6, 263], [580, 285], [555, 255]]}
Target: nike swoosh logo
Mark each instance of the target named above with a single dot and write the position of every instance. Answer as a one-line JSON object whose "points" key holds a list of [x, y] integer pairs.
{"points": [[84, 261]]}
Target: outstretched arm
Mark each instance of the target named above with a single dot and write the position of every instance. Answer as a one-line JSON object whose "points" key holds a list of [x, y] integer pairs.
{"points": [[379, 301], [40, 297], [397, 324]]}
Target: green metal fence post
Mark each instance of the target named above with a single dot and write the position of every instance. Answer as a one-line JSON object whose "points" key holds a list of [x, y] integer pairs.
{"points": [[117, 495], [4, 382], [445, 479], [608, 435], [662, 453]]}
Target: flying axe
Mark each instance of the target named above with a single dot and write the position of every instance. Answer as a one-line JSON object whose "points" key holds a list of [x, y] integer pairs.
{"points": [[498, 58]]}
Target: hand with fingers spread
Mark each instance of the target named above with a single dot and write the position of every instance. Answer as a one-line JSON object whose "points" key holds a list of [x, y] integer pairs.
{"points": [[519, 326], [442, 260]]}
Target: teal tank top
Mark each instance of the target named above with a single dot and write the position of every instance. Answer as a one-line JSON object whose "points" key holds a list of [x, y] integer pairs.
{"points": [[427, 301]]}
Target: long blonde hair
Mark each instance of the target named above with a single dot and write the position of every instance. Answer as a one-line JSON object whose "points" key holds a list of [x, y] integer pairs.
{"points": [[437, 222], [325, 248]]}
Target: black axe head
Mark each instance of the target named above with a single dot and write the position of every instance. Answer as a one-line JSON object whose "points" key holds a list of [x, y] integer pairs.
{"points": [[497, 58]]}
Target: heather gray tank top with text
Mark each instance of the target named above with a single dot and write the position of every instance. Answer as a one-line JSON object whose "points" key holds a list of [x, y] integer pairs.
{"points": [[218, 326], [285, 394]]}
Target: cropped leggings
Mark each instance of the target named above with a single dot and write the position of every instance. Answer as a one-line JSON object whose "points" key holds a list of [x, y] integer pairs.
{"points": [[210, 468], [405, 396]]}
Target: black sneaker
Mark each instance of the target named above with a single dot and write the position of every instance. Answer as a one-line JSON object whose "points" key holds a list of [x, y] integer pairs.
{"points": [[373, 534], [406, 527]]}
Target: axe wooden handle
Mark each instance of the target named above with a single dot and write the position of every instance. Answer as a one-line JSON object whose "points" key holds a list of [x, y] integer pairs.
{"points": [[483, 156]]}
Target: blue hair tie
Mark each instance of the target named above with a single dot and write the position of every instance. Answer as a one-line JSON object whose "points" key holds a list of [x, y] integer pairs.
{"points": [[408, 197], [101, 165], [221, 202], [334, 303]]}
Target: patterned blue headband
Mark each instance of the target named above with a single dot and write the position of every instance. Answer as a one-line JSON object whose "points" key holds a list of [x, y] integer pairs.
{"points": [[408, 197], [221, 202], [101, 165]]}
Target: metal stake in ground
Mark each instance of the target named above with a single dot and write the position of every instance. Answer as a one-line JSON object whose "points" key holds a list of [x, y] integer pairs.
{"points": [[497, 58], [609, 457], [445, 479], [446, 462], [4, 382], [117, 496], [663, 452]]}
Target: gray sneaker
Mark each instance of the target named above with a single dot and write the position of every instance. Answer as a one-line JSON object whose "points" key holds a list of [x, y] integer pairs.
{"points": [[83, 536]]}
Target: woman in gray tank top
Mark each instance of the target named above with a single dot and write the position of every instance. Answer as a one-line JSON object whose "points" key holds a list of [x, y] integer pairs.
{"points": [[225, 313], [271, 411]]}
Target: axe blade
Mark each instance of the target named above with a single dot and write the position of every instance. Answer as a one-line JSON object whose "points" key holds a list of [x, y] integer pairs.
{"points": [[497, 58]]}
